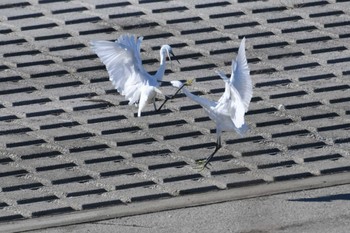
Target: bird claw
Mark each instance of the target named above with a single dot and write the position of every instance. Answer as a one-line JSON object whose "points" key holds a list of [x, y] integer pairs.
{"points": [[189, 82], [201, 164]]}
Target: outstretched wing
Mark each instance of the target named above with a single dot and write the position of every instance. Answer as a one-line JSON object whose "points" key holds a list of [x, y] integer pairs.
{"points": [[231, 104], [123, 63], [240, 77]]}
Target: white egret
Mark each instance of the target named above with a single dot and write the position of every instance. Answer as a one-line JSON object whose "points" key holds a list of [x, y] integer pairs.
{"points": [[228, 113], [124, 65]]}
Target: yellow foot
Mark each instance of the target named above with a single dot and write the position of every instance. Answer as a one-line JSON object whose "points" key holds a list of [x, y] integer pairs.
{"points": [[201, 164], [189, 82]]}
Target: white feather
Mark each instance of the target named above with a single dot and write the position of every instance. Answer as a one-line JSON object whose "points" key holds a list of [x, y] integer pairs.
{"points": [[228, 112], [124, 65], [240, 77]]}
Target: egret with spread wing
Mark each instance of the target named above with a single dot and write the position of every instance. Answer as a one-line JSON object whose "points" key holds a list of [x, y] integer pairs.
{"points": [[124, 65], [228, 113]]}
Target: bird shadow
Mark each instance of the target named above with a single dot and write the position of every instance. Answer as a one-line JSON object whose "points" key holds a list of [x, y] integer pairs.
{"points": [[328, 198]]}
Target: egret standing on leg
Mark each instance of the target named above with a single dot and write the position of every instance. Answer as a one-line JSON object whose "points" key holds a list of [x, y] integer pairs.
{"points": [[228, 113], [124, 65]]}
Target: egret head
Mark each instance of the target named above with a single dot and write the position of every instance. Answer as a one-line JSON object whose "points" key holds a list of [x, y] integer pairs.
{"points": [[179, 84], [176, 83], [166, 50]]}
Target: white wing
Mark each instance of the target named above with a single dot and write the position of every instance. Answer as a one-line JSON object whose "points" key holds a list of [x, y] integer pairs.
{"points": [[222, 75], [123, 62], [231, 104], [240, 77], [227, 81]]}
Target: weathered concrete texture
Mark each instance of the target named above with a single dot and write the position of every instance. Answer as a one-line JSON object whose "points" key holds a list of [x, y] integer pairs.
{"points": [[69, 142], [321, 210]]}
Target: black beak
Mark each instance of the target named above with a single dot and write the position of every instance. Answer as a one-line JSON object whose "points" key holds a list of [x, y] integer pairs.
{"points": [[174, 57]]}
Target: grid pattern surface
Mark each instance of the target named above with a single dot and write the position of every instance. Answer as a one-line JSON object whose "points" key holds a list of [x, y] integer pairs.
{"points": [[69, 142]]}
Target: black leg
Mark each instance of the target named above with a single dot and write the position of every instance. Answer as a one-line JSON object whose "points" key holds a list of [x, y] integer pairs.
{"points": [[154, 105], [170, 97], [203, 163], [166, 99], [207, 161]]}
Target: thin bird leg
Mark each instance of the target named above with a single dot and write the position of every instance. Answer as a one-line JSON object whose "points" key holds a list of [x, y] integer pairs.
{"points": [[203, 163], [170, 97], [166, 99], [154, 105], [207, 161]]}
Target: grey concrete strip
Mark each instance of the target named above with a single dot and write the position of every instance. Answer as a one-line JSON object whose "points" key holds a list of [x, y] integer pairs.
{"points": [[177, 203], [70, 144], [314, 211]]}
